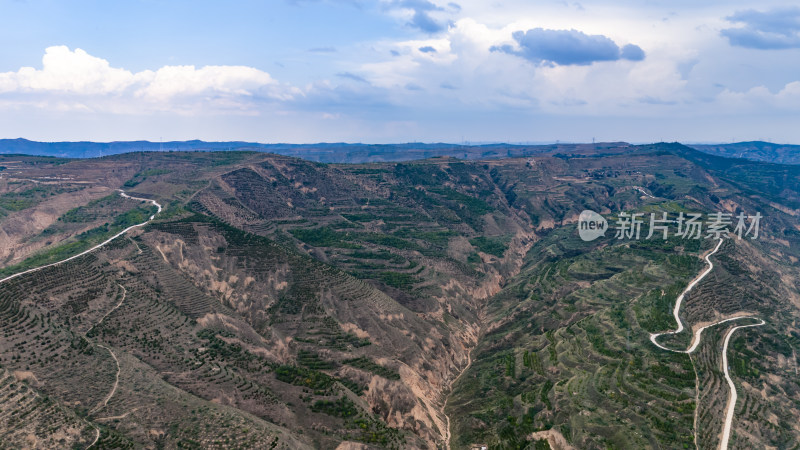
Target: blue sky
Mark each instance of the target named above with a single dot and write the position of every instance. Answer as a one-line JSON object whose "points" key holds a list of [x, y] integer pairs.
{"points": [[400, 70]]}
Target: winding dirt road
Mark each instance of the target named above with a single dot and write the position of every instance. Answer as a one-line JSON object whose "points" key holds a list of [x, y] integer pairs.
{"points": [[676, 311], [123, 194], [645, 193], [726, 430], [116, 381], [96, 437], [124, 294], [11, 277], [116, 361], [732, 396]]}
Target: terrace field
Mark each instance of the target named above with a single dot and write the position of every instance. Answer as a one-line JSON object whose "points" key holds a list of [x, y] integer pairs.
{"points": [[281, 303]]}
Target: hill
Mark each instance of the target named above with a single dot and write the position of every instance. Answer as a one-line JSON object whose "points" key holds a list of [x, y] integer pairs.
{"points": [[278, 302], [756, 151], [363, 153]]}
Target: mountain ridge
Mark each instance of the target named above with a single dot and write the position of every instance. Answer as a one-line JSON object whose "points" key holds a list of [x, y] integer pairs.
{"points": [[342, 152]]}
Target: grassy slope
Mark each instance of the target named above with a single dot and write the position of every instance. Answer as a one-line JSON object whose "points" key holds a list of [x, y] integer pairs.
{"points": [[563, 344]]}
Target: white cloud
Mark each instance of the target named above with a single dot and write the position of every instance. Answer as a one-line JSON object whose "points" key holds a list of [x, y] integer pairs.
{"points": [[423, 78], [494, 80], [759, 97], [67, 71], [182, 81], [90, 83]]}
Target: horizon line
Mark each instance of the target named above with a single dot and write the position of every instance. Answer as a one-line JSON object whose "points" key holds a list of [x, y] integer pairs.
{"points": [[466, 143]]}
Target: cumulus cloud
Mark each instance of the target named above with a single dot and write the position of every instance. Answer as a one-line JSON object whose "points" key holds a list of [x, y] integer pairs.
{"points": [[425, 22], [567, 47], [492, 80], [768, 30], [631, 53], [175, 81], [420, 14], [71, 72], [91, 81], [756, 98]]}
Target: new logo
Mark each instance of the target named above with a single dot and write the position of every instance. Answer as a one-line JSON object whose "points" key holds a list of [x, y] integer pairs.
{"points": [[591, 225]]}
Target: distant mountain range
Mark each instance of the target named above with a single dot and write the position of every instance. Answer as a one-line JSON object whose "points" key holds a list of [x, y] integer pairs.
{"points": [[320, 152], [756, 151], [361, 153], [87, 149]]}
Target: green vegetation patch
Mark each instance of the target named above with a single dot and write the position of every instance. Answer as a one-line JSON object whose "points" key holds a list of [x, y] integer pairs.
{"points": [[314, 379], [301, 376], [389, 241], [381, 255], [472, 204], [342, 407], [17, 201], [89, 212], [439, 238], [143, 175], [83, 241], [491, 245], [398, 280], [369, 365], [313, 361], [324, 237]]}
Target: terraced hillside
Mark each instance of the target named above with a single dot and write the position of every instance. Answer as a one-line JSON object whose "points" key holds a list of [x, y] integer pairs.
{"points": [[281, 303]]}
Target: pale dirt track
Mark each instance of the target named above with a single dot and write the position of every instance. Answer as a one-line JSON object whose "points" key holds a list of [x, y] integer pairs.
{"points": [[122, 193], [11, 277], [732, 396]]}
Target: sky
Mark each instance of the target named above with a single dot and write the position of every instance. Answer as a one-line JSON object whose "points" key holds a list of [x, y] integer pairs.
{"points": [[393, 71]]}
